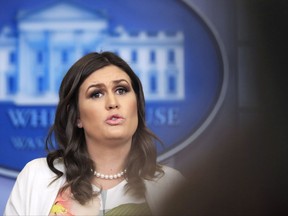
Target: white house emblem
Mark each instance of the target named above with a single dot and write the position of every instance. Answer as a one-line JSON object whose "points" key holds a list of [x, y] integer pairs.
{"points": [[178, 59]]}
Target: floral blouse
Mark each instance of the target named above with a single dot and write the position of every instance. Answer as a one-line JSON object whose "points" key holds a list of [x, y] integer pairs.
{"points": [[113, 201]]}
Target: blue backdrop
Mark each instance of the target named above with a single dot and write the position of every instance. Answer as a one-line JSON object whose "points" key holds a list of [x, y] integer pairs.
{"points": [[169, 45]]}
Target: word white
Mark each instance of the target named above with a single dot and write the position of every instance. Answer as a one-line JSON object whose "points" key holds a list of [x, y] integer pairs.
{"points": [[35, 118]]}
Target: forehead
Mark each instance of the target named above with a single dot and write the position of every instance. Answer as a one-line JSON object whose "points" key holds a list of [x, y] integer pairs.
{"points": [[106, 75]]}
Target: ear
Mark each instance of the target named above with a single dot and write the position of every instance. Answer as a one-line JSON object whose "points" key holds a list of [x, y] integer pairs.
{"points": [[79, 123]]}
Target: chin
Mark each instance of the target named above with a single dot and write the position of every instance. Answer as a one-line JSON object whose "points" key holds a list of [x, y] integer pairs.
{"points": [[119, 137]]}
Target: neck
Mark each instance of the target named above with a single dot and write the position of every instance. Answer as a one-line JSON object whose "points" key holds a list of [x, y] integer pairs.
{"points": [[109, 159]]}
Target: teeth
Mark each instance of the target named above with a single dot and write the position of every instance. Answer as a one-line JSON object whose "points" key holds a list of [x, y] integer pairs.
{"points": [[114, 118]]}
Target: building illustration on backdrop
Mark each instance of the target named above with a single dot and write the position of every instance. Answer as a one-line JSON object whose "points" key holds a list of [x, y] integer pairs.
{"points": [[36, 53]]}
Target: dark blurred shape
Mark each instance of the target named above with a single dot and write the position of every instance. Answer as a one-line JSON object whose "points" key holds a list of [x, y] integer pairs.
{"points": [[251, 177]]}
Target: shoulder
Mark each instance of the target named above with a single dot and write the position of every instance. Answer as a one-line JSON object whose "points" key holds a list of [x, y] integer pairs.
{"points": [[162, 186], [39, 167], [36, 163], [170, 172], [163, 180], [169, 180], [42, 162], [169, 175], [33, 189], [35, 178]]}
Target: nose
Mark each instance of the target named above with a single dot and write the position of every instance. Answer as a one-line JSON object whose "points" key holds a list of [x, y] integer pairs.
{"points": [[111, 102]]}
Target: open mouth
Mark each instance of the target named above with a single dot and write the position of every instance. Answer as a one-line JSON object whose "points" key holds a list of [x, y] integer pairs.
{"points": [[114, 120]]}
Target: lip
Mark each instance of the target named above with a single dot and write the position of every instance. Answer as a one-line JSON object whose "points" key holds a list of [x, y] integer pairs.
{"points": [[114, 119]]}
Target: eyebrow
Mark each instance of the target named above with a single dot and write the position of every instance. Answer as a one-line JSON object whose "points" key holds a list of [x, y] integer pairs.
{"points": [[101, 85]]}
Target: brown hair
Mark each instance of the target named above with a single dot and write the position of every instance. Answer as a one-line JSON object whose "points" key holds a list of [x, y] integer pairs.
{"points": [[70, 140]]}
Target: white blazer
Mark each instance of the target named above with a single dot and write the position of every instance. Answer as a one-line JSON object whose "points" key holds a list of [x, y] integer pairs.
{"points": [[33, 194]]}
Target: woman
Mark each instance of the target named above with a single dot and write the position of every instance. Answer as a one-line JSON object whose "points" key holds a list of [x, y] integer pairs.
{"points": [[105, 159]]}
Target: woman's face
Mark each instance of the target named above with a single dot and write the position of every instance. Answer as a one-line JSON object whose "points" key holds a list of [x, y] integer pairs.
{"points": [[107, 106]]}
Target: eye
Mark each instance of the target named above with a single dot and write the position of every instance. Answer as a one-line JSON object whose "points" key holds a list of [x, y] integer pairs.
{"points": [[122, 90], [96, 94]]}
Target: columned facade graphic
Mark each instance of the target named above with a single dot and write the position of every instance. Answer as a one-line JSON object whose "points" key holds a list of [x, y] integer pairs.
{"points": [[45, 43]]}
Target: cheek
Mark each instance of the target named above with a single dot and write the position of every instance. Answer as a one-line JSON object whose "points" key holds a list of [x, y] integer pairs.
{"points": [[134, 111], [88, 114]]}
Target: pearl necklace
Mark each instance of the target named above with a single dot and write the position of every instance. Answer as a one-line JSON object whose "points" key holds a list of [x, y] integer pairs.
{"points": [[109, 177]]}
